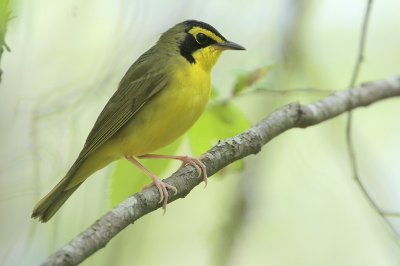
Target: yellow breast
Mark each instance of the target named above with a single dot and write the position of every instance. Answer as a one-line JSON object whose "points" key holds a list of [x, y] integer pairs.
{"points": [[169, 114]]}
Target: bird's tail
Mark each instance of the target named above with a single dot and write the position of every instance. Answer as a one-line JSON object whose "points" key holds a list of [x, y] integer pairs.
{"points": [[49, 204]]}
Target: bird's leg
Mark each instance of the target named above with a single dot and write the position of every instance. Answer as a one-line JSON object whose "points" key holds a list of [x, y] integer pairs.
{"points": [[161, 186], [196, 163]]}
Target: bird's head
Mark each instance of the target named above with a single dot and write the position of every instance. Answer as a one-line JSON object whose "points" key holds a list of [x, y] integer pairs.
{"points": [[198, 42]]}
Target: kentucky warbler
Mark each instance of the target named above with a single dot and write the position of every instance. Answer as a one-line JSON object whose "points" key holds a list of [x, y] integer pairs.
{"points": [[160, 97]]}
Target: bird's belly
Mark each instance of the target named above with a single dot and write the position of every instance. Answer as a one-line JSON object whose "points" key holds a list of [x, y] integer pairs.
{"points": [[167, 116]]}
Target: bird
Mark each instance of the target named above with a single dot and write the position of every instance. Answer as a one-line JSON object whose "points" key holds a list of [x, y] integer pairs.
{"points": [[159, 98]]}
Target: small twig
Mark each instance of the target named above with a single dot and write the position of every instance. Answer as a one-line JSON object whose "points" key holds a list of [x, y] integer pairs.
{"points": [[356, 71], [350, 146], [272, 91], [290, 91], [224, 153], [361, 48]]}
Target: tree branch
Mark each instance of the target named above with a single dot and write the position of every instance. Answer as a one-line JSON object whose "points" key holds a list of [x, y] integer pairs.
{"points": [[356, 71], [225, 152], [349, 138]]}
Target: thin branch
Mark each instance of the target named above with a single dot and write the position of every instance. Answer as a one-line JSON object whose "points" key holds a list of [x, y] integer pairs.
{"points": [[356, 71], [361, 48], [224, 153], [269, 91], [349, 141], [291, 91]]}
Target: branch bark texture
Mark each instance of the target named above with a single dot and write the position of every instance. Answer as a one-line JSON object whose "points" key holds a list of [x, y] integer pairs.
{"points": [[224, 153]]}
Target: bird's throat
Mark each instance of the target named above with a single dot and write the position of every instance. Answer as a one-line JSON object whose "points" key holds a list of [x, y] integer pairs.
{"points": [[206, 58]]}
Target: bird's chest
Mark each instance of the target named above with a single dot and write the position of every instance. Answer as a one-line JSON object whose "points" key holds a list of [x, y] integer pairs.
{"points": [[190, 94], [183, 101], [170, 113]]}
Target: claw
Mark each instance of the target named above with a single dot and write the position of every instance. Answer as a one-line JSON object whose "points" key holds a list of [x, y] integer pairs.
{"points": [[197, 164], [160, 185]]}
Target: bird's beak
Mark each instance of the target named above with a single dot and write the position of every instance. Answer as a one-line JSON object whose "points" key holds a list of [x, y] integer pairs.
{"points": [[228, 45]]}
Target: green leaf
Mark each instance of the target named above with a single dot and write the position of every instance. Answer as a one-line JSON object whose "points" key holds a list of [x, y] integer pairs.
{"points": [[244, 81], [219, 121], [127, 179]]}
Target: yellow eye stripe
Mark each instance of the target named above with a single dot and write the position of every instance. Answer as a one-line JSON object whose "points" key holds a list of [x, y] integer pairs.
{"points": [[196, 30]]}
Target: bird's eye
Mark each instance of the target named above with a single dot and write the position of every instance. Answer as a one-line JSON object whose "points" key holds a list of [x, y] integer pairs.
{"points": [[201, 38]]}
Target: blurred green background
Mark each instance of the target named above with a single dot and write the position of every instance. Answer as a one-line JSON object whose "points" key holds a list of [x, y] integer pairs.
{"points": [[295, 203]]}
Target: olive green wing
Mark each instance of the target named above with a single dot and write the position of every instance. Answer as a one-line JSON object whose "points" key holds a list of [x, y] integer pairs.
{"points": [[142, 81]]}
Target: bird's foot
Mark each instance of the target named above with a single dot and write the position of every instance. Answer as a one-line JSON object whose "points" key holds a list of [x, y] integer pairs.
{"points": [[160, 185], [162, 189], [196, 163]]}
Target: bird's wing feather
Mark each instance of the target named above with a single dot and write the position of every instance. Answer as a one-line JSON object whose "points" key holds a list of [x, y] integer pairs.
{"points": [[142, 81]]}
